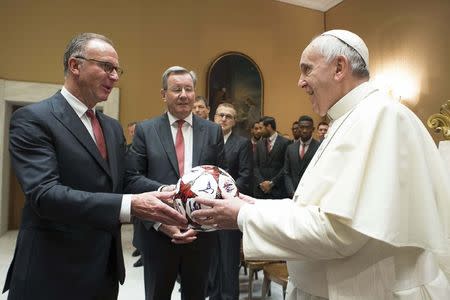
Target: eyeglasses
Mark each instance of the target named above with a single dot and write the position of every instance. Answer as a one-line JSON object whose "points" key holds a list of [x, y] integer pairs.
{"points": [[106, 66], [179, 89], [227, 116]]}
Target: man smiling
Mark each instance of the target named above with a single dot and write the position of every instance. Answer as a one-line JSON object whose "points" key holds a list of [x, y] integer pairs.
{"points": [[370, 214]]}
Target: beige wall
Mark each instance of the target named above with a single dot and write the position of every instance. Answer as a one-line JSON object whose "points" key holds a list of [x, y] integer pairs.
{"points": [[151, 35], [411, 34]]}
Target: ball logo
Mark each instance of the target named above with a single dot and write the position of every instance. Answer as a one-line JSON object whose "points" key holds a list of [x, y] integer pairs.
{"points": [[206, 181]]}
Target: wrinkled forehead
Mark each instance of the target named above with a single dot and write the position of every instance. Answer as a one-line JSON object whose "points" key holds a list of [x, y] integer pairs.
{"points": [[200, 103], [180, 79], [226, 110], [310, 54]]}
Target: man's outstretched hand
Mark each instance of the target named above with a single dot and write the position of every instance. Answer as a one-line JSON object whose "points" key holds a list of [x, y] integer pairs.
{"points": [[156, 207], [221, 214]]}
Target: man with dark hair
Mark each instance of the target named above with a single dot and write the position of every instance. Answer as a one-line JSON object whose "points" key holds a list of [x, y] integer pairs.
{"points": [[269, 161], [164, 148], [201, 107], [255, 133], [299, 154], [322, 129], [295, 132], [68, 158]]}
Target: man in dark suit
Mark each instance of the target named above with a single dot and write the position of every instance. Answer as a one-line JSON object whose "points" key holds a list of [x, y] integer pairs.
{"points": [[299, 154], [238, 154], [164, 148], [255, 135], [269, 162], [201, 107], [295, 132], [69, 162]]}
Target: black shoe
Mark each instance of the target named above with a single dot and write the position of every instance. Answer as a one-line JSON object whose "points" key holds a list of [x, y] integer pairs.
{"points": [[138, 263], [136, 253]]}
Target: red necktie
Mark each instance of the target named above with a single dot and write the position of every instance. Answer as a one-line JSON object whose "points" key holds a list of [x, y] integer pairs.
{"points": [[302, 150], [98, 133], [179, 147]]}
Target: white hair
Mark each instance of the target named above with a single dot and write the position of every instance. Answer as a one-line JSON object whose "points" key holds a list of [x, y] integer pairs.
{"points": [[331, 47]]}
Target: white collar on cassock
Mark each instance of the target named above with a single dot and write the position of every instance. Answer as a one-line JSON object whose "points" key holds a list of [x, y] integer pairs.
{"points": [[350, 100]]}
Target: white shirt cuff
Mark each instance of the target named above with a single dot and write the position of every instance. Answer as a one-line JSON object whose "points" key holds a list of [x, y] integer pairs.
{"points": [[125, 209]]}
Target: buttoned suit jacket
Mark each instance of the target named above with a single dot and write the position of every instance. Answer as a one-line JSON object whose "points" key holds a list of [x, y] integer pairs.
{"points": [[152, 162], [269, 166], [294, 166], [69, 238]]}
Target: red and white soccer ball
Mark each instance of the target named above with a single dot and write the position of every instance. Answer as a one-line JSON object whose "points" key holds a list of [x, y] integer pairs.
{"points": [[205, 181]]}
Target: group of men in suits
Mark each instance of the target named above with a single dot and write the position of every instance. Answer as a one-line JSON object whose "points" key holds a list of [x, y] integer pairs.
{"points": [[279, 162], [71, 163]]}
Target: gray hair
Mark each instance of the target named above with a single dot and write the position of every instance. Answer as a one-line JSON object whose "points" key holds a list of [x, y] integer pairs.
{"points": [[331, 47], [177, 70], [77, 46]]}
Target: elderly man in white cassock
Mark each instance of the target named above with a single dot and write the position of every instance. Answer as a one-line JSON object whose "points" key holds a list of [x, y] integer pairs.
{"points": [[369, 217]]}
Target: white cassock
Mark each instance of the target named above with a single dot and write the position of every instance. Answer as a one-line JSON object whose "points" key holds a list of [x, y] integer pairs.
{"points": [[370, 214]]}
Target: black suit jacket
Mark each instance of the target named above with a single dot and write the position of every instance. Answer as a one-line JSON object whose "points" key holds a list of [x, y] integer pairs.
{"points": [[269, 166], [152, 162], [294, 166], [69, 238], [239, 158]]}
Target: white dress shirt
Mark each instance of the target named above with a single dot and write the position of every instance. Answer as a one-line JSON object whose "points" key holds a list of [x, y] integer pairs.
{"points": [[80, 109]]}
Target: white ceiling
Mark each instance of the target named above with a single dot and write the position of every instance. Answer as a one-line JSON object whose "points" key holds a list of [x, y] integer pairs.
{"points": [[322, 5]]}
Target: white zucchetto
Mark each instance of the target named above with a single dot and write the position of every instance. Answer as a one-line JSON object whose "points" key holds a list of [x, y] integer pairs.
{"points": [[351, 39]]}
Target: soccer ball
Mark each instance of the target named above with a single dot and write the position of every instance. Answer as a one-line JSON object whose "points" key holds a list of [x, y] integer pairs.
{"points": [[205, 181]]}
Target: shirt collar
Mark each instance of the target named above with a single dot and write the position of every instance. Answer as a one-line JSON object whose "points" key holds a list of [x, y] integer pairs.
{"points": [[173, 119], [350, 100], [273, 137], [79, 107], [305, 143], [226, 136]]}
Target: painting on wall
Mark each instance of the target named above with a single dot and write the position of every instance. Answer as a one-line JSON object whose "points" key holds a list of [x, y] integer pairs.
{"points": [[235, 78]]}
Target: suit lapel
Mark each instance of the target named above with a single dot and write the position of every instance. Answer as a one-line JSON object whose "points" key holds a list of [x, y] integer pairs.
{"points": [[111, 146], [310, 151], [165, 136], [198, 131], [263, 150], [67, 116], [230, 144], [275, 148]]}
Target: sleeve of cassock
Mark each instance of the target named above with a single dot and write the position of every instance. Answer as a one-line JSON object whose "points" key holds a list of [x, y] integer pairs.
{"points": [[282, 230]]}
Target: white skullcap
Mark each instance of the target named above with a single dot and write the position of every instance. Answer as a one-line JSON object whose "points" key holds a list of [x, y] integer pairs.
{"points": [[351, 40]]}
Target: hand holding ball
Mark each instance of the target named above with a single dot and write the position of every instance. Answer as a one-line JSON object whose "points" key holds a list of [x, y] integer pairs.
{"points": [[205, 181]]}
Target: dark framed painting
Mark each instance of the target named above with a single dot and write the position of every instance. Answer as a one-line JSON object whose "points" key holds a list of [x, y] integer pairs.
{"points": [[235, 78]]}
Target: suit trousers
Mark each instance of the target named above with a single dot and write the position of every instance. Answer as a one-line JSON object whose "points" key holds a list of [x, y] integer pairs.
{"points": [[225, 270], [164, 260]]}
